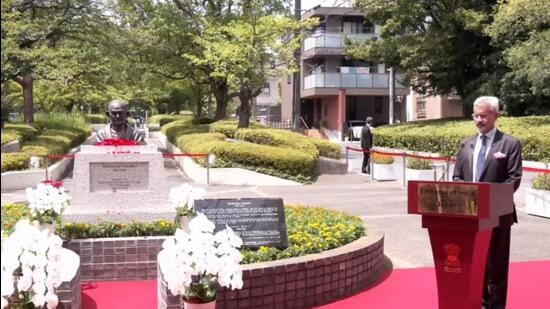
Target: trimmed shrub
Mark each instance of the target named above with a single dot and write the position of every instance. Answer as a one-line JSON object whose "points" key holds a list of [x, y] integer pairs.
{"points": [[419, 164], [11, 214], [14, 161], [278, 138], [326, 148], [541, 182], [163, 119], [229, 127], [177, 128], [17, 131], [290, 164], [444, 135]]}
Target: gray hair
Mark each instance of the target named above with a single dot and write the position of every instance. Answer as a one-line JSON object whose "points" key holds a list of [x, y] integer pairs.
{"points": [[117, 102], [491, 101]]}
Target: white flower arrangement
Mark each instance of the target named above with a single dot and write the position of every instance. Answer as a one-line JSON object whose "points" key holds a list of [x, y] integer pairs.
{"points": [[183, 197], [31, 267], [47, 202], [194, 264]]}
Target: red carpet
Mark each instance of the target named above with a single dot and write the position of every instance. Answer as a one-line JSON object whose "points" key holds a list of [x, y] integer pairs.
{"points": [[529, 287]]}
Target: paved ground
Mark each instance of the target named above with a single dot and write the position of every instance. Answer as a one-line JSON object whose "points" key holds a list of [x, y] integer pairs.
{"points": [[382, 205]]}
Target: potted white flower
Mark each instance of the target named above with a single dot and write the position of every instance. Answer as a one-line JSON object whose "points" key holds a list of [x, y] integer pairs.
{"points": [[31, 267], [382, 167], [537, 198], [194, 264], [47, 202], [182, 198], [419, 169]]}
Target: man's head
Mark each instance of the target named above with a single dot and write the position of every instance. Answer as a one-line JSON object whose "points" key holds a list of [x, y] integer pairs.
{"points": [[485, 113], [118, 112], [369, 120]]}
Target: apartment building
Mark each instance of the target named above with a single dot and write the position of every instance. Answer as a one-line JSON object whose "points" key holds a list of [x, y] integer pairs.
{"points": [[335, 89]]}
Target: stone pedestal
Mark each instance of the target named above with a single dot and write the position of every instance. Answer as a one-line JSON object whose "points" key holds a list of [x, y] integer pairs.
{"points": [[118, 179]]}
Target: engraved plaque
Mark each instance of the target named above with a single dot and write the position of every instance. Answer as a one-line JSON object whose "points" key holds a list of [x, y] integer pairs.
{"points": [[441, 198], [258, 221], [119, 176]]}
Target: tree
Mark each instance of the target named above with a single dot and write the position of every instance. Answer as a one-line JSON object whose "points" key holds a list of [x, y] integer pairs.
{"points": [[521, 29], [439, 45], [33, 41]]}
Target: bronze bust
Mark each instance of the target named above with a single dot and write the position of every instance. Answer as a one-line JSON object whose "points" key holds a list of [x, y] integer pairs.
{"points": [[118, 127]]}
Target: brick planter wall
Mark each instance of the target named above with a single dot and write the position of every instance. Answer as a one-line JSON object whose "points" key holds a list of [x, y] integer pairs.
{"points": [[117, 259], [69, 293], [300, 282]]}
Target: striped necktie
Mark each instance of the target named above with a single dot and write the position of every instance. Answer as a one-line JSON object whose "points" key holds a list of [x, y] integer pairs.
{"points": [[481, 157]]}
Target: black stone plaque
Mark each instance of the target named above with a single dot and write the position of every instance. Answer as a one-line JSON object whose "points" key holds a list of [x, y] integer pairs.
{"points": [[258, 221]]}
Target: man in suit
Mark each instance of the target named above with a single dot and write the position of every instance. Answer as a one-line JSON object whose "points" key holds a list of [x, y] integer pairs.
{"points": [[491, 156], [119, 128], [366, 144]]}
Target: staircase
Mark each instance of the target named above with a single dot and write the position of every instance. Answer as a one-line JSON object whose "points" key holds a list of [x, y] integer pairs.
{"points": [[315, 133]]}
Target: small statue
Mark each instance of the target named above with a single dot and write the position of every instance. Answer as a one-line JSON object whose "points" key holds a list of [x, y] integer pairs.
{"points": [[118, 127]]}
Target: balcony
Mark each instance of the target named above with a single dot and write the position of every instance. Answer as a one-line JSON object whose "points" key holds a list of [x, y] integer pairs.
{"points": [[349, 80], [334, 39]]}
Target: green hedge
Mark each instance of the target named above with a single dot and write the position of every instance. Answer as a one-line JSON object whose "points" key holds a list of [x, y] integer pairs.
{"points": [[16, 131], [309, 229], [289, 164], [178, 128], [229, 127], [162, 119], [278, 138], [444, 135], [95, 118]]}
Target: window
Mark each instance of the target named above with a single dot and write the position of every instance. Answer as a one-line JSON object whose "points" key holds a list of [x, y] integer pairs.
{"points": [[421, 107], [378, 105], [266, 89]]}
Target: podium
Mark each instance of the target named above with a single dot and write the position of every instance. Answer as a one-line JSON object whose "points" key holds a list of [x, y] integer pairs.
{"points": [[459, 217]]}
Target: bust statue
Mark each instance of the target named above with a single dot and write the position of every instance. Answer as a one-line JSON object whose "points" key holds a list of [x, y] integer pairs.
{"points": [[118, 127]]}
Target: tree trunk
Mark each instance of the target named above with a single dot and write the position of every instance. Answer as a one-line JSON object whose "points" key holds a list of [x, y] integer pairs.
{"points": [[220, 88], [28, 105], [244, 97]]}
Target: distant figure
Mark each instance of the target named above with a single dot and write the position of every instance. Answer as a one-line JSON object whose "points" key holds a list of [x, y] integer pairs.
{"points": [[118, 127], [492, 156], [366, 144]]}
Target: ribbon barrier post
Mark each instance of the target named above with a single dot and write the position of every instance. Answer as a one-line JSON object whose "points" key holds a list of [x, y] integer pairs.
{"points": [[46, 163], [404, 154], [207, 169], [347, 158]]}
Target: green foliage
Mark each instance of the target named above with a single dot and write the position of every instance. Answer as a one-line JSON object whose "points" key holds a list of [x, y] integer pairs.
{"points": [[541, 182], [165, 119], [70, 122], [310, 230], [278, 138], [444, 135], [230, 127], [95, 118], [419, 164], [326, 148], [14, 161], [20, 132], [178, 128], [111, 229], [290, 164], [381, 158], [12, 213]]}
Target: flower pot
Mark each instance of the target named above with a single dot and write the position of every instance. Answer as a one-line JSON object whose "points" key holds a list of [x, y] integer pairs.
{"points": [[50, 227], [537, 202], [383, 172], [184, 223], [210, 305], [412, 174]]}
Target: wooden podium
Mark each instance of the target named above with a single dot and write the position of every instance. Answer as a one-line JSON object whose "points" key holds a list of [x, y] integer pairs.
{"points": [[459, 217]]}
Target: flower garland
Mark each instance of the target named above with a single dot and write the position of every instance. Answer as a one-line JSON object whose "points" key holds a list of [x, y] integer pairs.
{"points": [[31, 266], [47, 202], [117, 142], [194, 264], [183, 198]]}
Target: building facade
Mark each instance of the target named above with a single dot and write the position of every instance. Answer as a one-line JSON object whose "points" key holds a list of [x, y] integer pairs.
{"points": [[334, 89]]}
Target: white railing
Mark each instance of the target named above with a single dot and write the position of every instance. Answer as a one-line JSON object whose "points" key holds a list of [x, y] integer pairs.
{"points": [[334, 40], [347, 80]]}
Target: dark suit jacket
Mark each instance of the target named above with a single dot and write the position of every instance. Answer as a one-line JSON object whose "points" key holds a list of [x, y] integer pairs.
{"points": [[366, 138], [503, 168]]}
